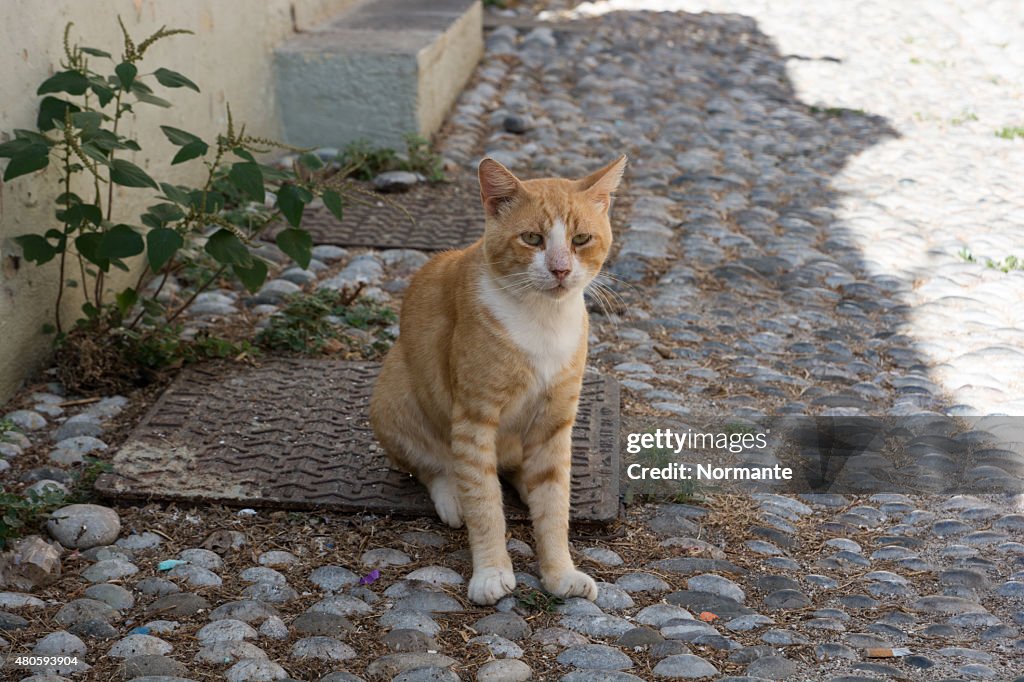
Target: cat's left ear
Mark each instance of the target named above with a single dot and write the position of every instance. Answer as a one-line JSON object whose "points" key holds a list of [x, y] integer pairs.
{"points": [[600, 185]]}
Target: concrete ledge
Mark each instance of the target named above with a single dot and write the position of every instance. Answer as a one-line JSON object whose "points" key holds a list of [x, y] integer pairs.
{"points": [[381, 70]]}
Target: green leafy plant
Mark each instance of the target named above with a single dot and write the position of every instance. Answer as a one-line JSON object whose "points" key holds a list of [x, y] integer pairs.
{"points": [[6, 426], [965, 116], [326, 321], [363, 161], [535, 600], [1010, 132], [208, 230], [1007, 264], [79, 131], [18, 513]]}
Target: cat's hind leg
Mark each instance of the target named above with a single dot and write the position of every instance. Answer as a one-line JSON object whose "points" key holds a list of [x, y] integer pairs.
{"points": [[404, 431]]}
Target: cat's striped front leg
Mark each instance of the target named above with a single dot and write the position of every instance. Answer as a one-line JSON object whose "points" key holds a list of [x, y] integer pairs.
{"points": [[545, 478], [474, 437]]}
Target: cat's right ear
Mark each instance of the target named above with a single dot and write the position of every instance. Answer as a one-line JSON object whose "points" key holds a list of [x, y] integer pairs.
{"points": [[498, 187]]}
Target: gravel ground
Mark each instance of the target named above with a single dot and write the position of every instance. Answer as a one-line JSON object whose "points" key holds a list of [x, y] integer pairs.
{"points": [[803, 181]]}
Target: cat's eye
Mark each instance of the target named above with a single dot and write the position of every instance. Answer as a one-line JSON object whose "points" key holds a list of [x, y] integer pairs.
{"points": [[580, 239], [532, 238]]}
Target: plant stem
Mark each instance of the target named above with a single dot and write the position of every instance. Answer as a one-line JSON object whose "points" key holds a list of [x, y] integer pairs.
{"points": [[159, 288], [195, 293], [67, 230]]}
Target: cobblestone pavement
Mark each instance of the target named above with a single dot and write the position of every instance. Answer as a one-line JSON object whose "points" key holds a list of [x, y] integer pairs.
{"points": [[803, 180]]}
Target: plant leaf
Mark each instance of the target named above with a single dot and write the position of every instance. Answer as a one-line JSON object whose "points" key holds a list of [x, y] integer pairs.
{"points": [[291, 199], [120, 241], [161, 245], [88, 245], [179, 137], [71, 82], [333, 202], [246, 176], [35, 248], [252, 277], [173, 79], [34, 157], [296, 243], [103, 93], [228, 249], [311, 161], [175, 193], [128, 174], [126, 72], [190, 151], [94, 52], [125, 300], [52, 109]]}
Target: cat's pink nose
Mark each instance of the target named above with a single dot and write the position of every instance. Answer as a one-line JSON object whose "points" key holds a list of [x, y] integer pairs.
{"points": [[560, 275]]}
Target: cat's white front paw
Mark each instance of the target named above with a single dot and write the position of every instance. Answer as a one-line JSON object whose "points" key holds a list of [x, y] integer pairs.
{"points": [[446, 501], [571, 583], [488, 585]]}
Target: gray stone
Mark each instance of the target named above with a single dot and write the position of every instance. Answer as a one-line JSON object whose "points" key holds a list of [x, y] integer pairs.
{"points": [[271, 593], [139, 645], [333, 578], [27, 420], [247, 610], [255, 670], [276, 291], [226, 630], [277, 559], [396, 181], [322, 649], [322, 623], [196, 576], [597, 626], [660, 614], [409, 640], [612, 597], [17, 600], [640, 637], [81, 526], [507, 625], [79, 425], [262, 574], [684, 667], [415, 620], [274, 628], [81, 610], [436, 575], [642, 582], [153, 669], [499, 647], [391, 665], [341, 605], [595, 657], [716, 584], [602, 556], [140, 541], [156, 587], [115, 595], [179, 605], [385, 556]]}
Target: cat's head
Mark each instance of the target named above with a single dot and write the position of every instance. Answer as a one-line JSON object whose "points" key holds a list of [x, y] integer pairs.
{"points": [[546, 237]]}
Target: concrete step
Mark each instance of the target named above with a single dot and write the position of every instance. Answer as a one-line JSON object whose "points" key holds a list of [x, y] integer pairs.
{"points": [[380, 70]]}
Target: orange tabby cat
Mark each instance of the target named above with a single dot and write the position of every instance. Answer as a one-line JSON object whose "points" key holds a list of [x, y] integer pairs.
{"points": [[486, 374]]}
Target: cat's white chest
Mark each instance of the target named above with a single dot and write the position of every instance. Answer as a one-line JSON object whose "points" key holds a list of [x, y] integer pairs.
{"points": [[549, 333]]}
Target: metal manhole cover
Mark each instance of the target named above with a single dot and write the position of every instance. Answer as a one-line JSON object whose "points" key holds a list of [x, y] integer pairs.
{"points": [[436, 216], [295, 433]]}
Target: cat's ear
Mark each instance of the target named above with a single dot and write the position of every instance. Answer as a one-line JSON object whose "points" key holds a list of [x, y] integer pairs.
{"points": [[498, 186], [600, 185]]}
